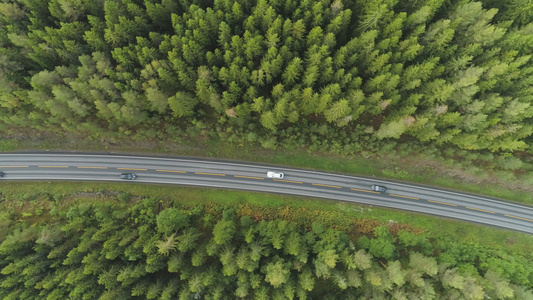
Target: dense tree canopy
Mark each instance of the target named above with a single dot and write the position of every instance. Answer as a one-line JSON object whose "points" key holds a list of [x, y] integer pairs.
{"points": [[453, 73], [87, 248], [334, 75]]}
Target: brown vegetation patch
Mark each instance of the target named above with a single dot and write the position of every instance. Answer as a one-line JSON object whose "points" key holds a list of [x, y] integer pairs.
{"points": [[397, 227]]}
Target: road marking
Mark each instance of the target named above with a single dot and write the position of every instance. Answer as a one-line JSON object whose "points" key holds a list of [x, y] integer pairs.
{"points": [[487, 211], [52, 166], [92, 167], [132, 169], [248, 177], [331, 186], [14, 166], [519, 218], [288, 181], [365, 191], [442, 203], [404, 196], [170, 171], [214, 174]]}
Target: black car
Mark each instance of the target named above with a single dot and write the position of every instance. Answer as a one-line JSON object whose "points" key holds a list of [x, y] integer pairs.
{"points": [[1, 174], [128, 176], [378, 188]]}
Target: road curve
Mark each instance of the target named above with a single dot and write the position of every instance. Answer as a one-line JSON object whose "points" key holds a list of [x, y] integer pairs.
{"points": [[244, 176]]}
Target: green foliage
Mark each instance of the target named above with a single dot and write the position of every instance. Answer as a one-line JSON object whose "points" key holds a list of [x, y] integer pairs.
{"points": [[118, 250], [8, 145], [457, 75], [223, 231], [277, 273], [171, 220], [454, 74], [166, 246]]}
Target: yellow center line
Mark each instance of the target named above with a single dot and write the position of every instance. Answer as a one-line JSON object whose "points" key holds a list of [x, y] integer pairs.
{"points": [[52, 166], [288, 181], [365, 191], [171, 171], [488, 211], [132, 169], [248, 177], [331, 186], [14, 166], [519, 218], [92, 167], [214, 174], [442, 203], [404, 196]]}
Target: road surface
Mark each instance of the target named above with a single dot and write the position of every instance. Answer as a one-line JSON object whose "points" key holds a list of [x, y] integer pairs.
{"points": [[244, 176]]}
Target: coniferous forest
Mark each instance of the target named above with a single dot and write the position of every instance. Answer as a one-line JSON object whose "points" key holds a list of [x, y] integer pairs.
{"points": [[332, 75], [340, 76], [119, 247]]}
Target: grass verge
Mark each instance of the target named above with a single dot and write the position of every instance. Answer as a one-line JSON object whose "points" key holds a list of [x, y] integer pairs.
{"points": [[21, 192], [407, 168]]}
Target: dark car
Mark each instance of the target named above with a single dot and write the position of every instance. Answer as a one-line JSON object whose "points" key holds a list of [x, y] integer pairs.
{"points": [[378, 188], [1, 174], [128, 176]]}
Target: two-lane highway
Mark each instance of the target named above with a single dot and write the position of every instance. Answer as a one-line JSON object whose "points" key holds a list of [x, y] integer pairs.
{"points": [[242, 176]]}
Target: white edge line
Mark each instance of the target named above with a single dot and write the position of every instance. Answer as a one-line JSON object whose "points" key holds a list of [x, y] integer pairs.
{"points": [[288, 192], [267, 168]]}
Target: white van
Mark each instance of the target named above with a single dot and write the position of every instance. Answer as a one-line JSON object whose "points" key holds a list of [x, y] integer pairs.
{"points": [[274, 175]]}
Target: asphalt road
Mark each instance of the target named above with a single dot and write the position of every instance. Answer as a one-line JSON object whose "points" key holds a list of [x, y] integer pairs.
{"points": [[243, 176]]}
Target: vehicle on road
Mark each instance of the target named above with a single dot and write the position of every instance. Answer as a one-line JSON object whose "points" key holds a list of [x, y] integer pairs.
{"points": [[275, 175], [378, 188], [128, 176], [1, 174]]}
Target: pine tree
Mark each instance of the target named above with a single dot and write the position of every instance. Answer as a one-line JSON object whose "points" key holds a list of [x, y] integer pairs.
{"points": [[182, 104], [277, 272], [223, 232]]}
